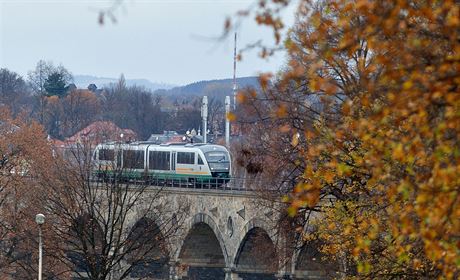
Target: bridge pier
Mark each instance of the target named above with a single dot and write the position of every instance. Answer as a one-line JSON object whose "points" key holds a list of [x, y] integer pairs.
{"points": [[283, 276], [173, 270], [230, 273]]}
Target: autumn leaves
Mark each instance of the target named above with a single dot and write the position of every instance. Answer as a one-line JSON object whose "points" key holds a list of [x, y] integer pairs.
{"points": [[385, 143]]}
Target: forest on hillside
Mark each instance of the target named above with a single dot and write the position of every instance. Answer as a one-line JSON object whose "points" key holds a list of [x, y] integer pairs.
{"points": [[49, 96]]}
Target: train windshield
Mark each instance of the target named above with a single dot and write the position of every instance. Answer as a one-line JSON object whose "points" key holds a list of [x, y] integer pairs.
{"points": [[217, 157], [218, 161]]}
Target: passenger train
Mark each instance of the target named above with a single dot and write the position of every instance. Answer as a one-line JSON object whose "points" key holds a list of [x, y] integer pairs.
{"points": [[192, 163]]}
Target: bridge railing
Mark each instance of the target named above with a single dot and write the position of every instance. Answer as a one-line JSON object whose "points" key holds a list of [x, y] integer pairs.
{"points": [[222, 184]]}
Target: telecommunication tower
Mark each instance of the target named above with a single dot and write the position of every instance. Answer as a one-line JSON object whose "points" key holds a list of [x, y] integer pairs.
{"points": [[234, 75]]}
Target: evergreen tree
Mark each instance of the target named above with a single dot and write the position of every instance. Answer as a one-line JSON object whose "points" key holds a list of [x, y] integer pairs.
{"points": [[55, 84]]}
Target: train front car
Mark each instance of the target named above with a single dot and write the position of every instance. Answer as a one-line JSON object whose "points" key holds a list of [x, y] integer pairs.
{"points": [[218, 159]]}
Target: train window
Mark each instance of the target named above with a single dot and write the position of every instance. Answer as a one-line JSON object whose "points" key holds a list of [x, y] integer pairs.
{"points": [[216, 156], [159, 160], [118, 159], [106, 154], [133, 159], [185, 158], [200, 161]]}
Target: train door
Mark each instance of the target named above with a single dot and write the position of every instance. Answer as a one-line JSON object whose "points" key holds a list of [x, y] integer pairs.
{"points": [[119, 159], [200, 163], [173, 161]]}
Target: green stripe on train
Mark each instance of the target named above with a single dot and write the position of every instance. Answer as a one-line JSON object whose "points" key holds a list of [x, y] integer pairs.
{"points": [[159, 176]]}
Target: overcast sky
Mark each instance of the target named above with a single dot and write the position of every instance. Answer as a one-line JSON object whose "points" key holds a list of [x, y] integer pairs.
{"points": [[160, 40]]}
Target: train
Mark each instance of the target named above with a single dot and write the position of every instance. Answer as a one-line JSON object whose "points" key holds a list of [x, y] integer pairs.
{"points": [[163, 163]]}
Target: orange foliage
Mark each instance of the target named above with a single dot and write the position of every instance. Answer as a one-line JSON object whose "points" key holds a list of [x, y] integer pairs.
{"points": [[25, 160], [392, 149]]}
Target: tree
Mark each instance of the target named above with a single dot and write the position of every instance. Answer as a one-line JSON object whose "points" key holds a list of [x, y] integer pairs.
{"points": [[38, 78], [90, 222], [216, 116], [25, 153], [88, 232], [383, 147], [80, 107], [139, 105], [186, 119], [13, 90], [134, 107], [53, 116], [55, 84]]}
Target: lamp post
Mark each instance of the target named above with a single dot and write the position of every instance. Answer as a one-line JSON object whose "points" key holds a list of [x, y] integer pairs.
{"points": [[40, 220]]}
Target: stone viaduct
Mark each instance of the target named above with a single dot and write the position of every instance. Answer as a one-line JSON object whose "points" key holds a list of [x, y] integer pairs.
{"points": [[228, 234]]}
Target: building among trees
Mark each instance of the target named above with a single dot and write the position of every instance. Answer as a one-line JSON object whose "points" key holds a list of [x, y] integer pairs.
{"points": [[96, 133]]}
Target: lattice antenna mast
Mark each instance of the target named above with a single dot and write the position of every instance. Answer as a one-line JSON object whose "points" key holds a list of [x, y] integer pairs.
{"points": [[234, 76]]}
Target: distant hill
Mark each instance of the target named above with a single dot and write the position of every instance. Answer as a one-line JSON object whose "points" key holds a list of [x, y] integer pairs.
{"points": [[211, 87], [82, 81]]}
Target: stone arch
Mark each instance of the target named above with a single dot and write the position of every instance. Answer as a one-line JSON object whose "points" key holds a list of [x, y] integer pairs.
{"points": [[310, 263], [133, 219], [206, 219], [202, 251], [256, 257], [147, 250], [256, 222]]}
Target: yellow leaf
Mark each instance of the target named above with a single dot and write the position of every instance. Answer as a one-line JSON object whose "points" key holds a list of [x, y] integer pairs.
{"points": [[329, 176], [282, 111], [312, 197], [231, 117], [407, 85], [398, 152], [285, 128], [241, 97], [295, 139]]}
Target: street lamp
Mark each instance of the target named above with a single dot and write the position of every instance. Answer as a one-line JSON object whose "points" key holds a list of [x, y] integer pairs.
{"points": [[40, 220]]}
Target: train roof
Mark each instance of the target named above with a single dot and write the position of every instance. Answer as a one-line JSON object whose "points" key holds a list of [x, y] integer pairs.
{"points": [[202, 146], [211, 147]]}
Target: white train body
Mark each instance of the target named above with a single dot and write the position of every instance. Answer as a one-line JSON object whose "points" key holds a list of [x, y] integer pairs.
{"points": [[192, 162]]}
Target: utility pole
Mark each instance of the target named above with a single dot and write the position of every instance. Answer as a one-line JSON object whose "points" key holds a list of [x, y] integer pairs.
{"points": [[234, 75], [227, 122], [204, 116]]}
